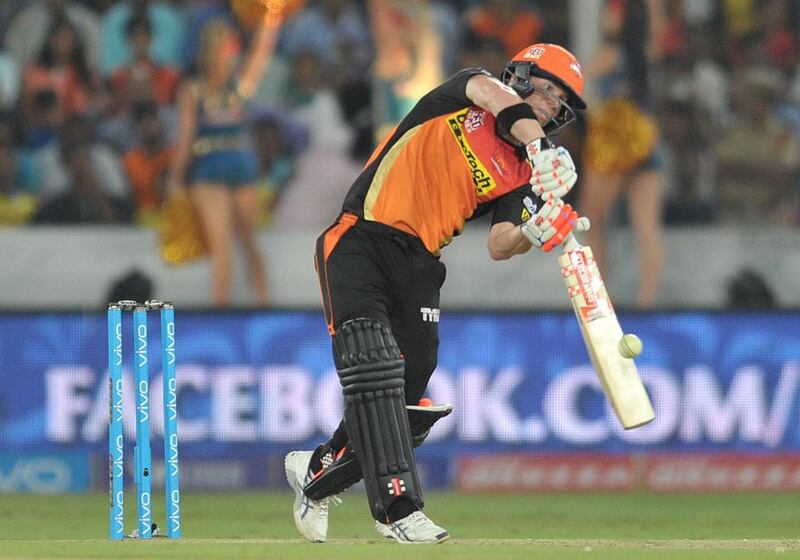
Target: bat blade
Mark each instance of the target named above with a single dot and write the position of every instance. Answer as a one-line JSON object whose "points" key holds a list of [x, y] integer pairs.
{"points": [[601, 333]]}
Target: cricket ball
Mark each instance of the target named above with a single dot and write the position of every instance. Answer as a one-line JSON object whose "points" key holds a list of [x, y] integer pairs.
{"points": [[630, 346]]}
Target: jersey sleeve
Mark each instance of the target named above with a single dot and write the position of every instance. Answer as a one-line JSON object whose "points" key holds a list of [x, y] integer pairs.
{"points": [[516, 207], [453, 92]]}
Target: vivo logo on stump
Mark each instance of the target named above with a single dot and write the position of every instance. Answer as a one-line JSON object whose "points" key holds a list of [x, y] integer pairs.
{"points": [[141, 352], [144, 402]]}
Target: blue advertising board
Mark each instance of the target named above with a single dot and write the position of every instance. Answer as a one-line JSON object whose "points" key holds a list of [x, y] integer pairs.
{"points": [[255, 385]]}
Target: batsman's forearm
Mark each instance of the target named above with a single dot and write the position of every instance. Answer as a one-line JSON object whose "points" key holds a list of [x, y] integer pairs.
{"points": [[507, 240]]}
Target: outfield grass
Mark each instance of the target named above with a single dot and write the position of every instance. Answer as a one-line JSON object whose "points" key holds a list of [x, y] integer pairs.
{"points": [[259, 525]]}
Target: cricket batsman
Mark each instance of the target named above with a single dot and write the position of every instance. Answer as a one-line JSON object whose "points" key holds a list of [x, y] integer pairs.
{"points": [[473, 145]]}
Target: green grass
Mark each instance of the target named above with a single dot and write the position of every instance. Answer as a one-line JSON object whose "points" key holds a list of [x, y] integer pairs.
{"points": [[259, 525]]}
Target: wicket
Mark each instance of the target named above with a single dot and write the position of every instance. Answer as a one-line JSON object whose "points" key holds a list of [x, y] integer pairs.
{"points": [[141, 453]]}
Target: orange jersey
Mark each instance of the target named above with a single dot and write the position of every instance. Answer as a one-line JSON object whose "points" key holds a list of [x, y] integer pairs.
{"points": [[441, 166]]}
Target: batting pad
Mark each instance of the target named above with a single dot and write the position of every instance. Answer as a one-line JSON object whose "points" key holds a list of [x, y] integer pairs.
{"points": [[371, 370]]}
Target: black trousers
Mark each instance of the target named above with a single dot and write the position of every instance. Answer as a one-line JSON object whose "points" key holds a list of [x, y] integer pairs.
{"points": [[367, 269]]}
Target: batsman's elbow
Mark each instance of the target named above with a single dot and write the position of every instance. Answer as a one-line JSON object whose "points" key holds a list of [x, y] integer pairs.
{"points": [[504, 238], [498, 254]]}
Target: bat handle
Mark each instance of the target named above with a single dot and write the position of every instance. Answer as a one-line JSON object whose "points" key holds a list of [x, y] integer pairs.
{"points": [[570, 243]]}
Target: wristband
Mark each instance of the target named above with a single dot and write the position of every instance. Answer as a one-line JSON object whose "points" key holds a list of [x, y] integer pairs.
{"points": [[508, 116]]}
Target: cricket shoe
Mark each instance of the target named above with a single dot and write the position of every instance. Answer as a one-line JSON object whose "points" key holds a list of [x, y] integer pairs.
{"points": [[413, 529], [310, 516]]}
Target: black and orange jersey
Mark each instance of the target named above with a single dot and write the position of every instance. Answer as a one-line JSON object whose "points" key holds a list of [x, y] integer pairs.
{"points": [[440, 167]]}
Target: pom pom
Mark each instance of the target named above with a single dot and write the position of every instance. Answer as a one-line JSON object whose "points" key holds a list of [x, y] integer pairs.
{"points": [[620, 137], [181, 238]]}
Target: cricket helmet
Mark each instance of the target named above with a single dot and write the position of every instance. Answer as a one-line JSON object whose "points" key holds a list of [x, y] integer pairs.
{"points": [[551, 62]]}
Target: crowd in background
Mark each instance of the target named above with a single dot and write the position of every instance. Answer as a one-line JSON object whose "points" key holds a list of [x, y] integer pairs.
{"points": [[89, 93]]}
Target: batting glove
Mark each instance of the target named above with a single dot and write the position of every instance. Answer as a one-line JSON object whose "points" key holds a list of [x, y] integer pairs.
{"points": [[553, 172], [551, 225]]}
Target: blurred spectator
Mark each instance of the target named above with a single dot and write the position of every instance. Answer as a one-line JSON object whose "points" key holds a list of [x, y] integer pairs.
{"points": [[747, 290], [556, 22], [147, 164], [740, 17], [336, 31], [690, 169], [309, 197], [408, 60], [355, 100], [78, 131], [43, 121], [622, 152], [710, 82], [214, 146], [513, 22], [489, 54], [447, 22], [61, 68], [33, 25], [27, 173], [18, 178], [759, 158], [695, 112], [9, 78], [317, 108], [7, 12], [674, 42], [699, 13], [274, 90], [85, 201], [780, 34], [166, 29], [134, 285], [143, 78], [794, 92], [277, 141], [196, 14]]}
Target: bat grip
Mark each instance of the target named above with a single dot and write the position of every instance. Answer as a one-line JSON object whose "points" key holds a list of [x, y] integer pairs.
{"points": [[570, 243]]}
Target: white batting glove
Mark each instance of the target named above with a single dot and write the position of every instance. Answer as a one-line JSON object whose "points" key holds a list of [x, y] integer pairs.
{"points": [[551, 225], [553, 171]]}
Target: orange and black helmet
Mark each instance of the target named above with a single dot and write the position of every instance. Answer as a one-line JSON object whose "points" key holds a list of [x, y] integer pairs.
{"points": [[552, 62]]}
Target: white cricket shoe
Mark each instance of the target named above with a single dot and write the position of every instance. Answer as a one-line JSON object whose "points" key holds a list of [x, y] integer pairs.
{"points": [[413, 529], [310, 516]]}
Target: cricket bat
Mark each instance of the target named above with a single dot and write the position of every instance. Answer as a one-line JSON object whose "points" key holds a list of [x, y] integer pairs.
{"points": [[601, 334]]}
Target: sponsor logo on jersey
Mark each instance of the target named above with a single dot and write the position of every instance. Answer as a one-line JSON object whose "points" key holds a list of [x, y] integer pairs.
{"points": [[484, 183], [474, 120]]}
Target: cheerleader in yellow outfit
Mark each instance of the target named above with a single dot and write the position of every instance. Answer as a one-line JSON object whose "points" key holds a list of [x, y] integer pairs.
{"points": [[621, 151]]}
